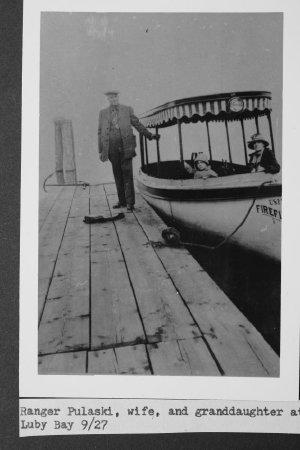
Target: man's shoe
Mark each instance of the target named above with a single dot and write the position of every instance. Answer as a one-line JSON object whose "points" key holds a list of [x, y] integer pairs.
{"points": [[119, 205], [130, 207]]}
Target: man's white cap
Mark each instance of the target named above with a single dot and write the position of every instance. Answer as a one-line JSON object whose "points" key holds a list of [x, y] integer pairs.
{"points": [[111, 92]]}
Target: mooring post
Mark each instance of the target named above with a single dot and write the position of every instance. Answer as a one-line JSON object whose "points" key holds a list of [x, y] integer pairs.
{"points": [[59, 159], [68, 150]]}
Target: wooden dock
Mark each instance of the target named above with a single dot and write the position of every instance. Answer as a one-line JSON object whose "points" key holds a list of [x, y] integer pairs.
{"points": [[111, 303]]}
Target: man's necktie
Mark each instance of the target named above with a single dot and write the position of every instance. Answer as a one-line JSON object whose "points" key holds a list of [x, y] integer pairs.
{"points": [[114, 119]]}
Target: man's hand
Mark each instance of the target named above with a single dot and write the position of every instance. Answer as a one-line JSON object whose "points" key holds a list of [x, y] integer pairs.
{"points": [[155, 136]]}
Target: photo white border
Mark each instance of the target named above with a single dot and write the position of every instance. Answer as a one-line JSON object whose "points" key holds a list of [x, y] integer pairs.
{"points": [[124, 386]]}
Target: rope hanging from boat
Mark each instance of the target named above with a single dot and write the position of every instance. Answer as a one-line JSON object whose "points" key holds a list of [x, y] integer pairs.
{"points": [[172, 236]]}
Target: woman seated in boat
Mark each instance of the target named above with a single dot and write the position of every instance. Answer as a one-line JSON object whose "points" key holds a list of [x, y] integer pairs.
{"points": [[202, 168], [262, 159]]}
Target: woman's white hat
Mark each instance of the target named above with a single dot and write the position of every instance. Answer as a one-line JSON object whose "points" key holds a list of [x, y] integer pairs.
{"points": [[257, 137]]}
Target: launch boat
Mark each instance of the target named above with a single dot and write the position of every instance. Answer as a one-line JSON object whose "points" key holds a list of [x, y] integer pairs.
{"points": [[238, 207]]}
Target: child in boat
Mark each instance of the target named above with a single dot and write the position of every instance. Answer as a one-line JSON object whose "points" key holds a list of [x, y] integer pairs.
{"points": [[202, 168]]}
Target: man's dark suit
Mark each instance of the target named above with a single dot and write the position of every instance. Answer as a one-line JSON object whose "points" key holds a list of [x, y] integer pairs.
{"points": [[117, 143]]}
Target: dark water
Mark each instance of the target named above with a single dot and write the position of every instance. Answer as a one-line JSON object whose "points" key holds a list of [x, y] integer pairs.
{"points": [[251, 282]]}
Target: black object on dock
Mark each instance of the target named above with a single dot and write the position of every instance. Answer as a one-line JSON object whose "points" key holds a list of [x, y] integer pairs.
{"points": [[101, 219]]}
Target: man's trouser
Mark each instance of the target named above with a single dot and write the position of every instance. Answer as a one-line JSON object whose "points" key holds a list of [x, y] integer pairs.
{"points": [[122, 170]]}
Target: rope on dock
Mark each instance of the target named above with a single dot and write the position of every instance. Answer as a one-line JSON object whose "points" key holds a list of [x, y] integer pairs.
{"points": [[101, 219]]}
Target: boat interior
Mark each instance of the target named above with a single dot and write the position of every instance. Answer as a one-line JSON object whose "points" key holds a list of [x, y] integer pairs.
{"points": [[223, 108], [171, 170]]}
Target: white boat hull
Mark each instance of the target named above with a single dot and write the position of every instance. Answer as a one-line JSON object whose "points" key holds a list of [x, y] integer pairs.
{"points": [[219, 217]]}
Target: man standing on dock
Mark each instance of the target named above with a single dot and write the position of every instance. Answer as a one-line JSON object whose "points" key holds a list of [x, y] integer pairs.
{"points": [[117, 143]]}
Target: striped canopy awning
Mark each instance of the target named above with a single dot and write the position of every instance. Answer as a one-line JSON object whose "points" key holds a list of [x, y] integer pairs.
{"points": [[208, 108]]}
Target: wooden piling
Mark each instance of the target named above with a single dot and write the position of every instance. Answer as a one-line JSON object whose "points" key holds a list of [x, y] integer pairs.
{"points": [[59, 168], [68, 150]]}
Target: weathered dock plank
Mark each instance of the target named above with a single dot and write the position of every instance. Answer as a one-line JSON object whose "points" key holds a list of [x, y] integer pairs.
{"points": [[70, 305], [68, 295], [50, 238], [103, 235], [238, 346], [131, 360], [111, 303], [64, 335], [185, 357], [164, 315], [232, 338], [114, 315], [115, 319], [46, 203], [63, 363], [103, 362], [53, 228], [110, 189], [198, 357]]}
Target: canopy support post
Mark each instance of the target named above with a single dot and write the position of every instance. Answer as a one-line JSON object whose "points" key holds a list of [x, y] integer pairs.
{"points": [[244, 141], [228, 141], [271, 131], [142, 151], [209, 143], [146, 148], [158, 153], [257, 124], [180, 148]]}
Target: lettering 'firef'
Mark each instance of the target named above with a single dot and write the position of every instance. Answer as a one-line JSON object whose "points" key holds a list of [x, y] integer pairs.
{"points": [[267, 210]]}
